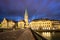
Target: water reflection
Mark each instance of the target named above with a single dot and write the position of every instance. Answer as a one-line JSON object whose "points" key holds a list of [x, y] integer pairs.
{"points": [[46, 35], [51, 35]]}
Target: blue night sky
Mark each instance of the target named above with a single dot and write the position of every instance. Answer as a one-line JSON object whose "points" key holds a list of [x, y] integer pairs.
{"points": [[14, 9]]}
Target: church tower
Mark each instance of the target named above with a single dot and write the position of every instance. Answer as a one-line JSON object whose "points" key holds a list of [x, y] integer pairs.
{"points": [[26, 18]]}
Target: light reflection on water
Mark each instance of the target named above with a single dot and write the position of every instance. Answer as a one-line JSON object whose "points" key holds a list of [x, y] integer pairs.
{"points": [[46, 35], [51, 35]]}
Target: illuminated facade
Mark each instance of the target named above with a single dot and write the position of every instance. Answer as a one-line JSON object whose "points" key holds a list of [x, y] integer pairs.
{"points": [[4, 23], [24, 23], [44, 24], [21, 24], [56, 24], [41, 24], [7, 23], [11, 24]]}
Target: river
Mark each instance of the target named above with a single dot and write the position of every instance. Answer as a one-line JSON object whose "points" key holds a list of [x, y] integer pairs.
{"points": [[51, 35]]}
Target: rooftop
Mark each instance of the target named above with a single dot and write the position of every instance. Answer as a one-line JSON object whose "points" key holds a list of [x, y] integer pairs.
{"points": [[45, 19]]}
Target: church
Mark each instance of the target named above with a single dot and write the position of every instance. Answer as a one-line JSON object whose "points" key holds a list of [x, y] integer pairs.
{"points": [[24, 23]]}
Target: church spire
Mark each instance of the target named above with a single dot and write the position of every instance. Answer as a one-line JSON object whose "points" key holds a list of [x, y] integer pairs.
{"points": [[26, 14], [26, 18]]}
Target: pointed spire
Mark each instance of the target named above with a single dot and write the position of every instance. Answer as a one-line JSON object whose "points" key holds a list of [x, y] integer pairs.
{"points": [[26, 18], [4, 19], [26, 13]]}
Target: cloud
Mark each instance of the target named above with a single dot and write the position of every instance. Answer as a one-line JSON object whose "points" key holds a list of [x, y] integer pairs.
{"points": [[41, 8]]}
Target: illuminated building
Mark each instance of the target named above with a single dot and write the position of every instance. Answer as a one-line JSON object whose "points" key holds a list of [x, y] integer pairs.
{"points": [[44, 24], [4, 23], [41, 24], [21, 24], [24, 23], [56, 24], [7, 23], [11, 24], [37, 24]]}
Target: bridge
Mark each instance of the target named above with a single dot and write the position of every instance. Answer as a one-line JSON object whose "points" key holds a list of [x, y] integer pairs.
{"points": [[21, 34]]}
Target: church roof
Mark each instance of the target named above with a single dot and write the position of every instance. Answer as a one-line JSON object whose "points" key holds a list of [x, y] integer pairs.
{"points": [[21, 20]]}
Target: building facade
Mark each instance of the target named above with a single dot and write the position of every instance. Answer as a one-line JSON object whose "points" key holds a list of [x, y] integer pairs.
{"points": [[44, 24], [56, 24], [7, 23], [4, 23], [21, 24], [11, 24], [41, 24], [24, 23]]}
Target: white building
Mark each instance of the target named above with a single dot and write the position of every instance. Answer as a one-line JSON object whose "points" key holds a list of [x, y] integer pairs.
{"points": [[44, 24]]}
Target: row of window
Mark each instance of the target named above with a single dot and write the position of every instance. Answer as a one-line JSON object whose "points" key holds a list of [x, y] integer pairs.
{"points": [[41, 25]]}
